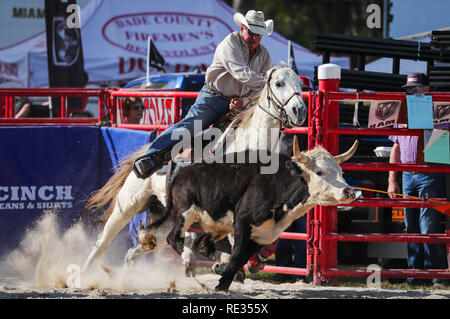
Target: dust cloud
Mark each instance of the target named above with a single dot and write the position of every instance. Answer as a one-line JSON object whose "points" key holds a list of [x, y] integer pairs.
{"points": [[49, 257]]}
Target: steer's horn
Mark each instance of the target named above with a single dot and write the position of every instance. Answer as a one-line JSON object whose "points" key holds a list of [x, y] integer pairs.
{"points": [[345, 156], [299, 156]]}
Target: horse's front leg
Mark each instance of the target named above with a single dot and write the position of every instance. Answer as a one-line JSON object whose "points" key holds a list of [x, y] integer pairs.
{"points": [[134, 255], [114, 224]]}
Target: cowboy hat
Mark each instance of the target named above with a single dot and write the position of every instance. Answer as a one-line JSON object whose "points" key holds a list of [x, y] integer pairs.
{"points": [[254, 21]]}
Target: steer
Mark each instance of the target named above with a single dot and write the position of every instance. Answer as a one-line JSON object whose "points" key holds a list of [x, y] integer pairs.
{"points": [[238, 199]]}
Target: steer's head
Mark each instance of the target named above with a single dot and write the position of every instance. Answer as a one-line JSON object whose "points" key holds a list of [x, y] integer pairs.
{"points": [[323, 174]]}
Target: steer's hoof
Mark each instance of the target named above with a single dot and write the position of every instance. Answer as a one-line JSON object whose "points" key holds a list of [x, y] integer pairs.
{"points": [[218, 268], [221, 288], [239, 276]]}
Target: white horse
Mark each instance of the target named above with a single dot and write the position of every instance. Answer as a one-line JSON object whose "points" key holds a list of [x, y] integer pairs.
{"points": [[280, 104]]}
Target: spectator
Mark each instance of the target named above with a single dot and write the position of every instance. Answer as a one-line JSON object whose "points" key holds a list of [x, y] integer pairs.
{"points": [[132, 110], [23, 107], [409, 149]]}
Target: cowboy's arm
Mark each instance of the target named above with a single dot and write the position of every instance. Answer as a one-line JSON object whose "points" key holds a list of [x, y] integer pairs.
{"points": [[239, 103]]}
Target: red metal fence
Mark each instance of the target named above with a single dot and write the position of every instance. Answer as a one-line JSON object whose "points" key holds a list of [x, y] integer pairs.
{"points": [[7, 100], [163, 108], [326, 132]]}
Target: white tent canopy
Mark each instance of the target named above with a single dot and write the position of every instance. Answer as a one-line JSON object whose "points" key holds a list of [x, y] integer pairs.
{"points": [[114, 36]]}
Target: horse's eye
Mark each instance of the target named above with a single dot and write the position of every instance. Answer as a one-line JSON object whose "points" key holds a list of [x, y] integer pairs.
{"points": [[319, 173], [279, 84]]}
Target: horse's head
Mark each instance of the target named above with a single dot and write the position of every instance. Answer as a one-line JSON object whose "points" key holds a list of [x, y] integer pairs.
{"points": [[285, 89]]}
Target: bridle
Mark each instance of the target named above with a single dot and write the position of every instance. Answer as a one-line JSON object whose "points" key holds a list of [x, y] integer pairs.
{"points": [[283, 119]]}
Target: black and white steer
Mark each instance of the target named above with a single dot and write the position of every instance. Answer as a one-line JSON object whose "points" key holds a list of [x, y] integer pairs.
{"points": [[237, 199]]}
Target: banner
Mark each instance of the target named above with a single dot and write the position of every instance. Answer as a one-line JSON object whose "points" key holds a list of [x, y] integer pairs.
{"points": [[383, 113], [115, 33], [64, 50], [55, 168], [441, 115]]}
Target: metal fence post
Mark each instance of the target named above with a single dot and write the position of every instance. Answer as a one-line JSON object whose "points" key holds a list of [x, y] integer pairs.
{"points": [[329, 76]]}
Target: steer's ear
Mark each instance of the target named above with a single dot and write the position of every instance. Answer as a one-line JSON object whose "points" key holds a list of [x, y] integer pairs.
{"points": [[345, 156], [299, 156]]}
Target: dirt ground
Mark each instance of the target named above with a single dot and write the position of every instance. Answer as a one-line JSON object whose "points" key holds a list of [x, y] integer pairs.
{"points": [[189, 288], [47, 265], [202, 287]]}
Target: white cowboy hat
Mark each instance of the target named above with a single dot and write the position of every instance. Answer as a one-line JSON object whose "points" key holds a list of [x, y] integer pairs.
{"points": [[254, 21]]}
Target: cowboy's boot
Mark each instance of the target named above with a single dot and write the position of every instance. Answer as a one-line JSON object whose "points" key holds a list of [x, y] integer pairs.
{"points": [[145, 166]]}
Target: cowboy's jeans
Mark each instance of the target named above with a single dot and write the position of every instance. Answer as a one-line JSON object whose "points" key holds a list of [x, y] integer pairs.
{"points": [[207, 108], [424, 220]]}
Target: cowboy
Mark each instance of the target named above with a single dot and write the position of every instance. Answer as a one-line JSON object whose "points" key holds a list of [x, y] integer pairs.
{"points": [[235, 75]]}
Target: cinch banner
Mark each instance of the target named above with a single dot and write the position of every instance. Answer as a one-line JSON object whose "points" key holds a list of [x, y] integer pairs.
{"points": [[55, 168]]}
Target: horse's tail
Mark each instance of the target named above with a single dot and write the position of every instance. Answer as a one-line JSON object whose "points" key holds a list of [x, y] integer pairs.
{"points": [[108, 193]]}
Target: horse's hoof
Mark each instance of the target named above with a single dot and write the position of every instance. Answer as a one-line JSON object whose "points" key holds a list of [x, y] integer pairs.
{"points": [[147, 240]]}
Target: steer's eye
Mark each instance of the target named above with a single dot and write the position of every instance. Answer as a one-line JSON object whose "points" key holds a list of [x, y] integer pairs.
{"points": [[319, 173]]}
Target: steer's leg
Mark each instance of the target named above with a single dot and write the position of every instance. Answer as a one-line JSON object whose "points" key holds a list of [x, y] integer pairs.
{"points": [[243, 249]]}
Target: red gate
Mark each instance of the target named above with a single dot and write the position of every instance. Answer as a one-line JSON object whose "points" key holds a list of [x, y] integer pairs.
{"points": [[325, 266]]}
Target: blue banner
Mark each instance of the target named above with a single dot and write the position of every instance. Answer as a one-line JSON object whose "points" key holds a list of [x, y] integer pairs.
{"points": [[55, 168]]}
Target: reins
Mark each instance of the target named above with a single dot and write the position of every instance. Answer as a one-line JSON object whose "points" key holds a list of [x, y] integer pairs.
{"points": [[403, 195]]}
